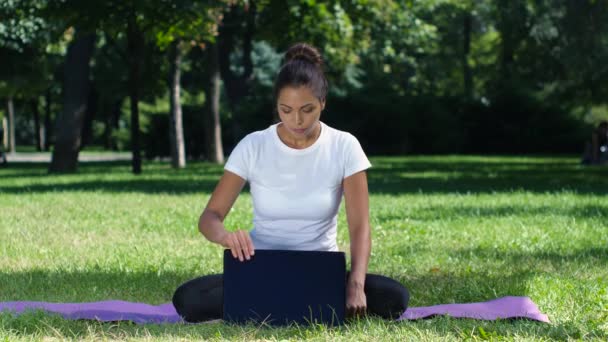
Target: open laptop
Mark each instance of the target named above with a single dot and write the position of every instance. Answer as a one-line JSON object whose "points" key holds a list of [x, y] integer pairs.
{"points": [[280, 287]]}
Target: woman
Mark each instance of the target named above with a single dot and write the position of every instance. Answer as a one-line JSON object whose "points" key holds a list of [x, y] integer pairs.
{"points": [[298, 170]]}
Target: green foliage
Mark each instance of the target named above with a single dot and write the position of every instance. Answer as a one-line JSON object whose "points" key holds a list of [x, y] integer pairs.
{"points": [[25, 37], [20, 26], [387, 61], [324, 24], [596, 114], [162, 21]]}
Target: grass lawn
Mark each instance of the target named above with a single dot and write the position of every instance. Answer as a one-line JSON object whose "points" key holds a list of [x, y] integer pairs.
{"points": [[451, 228]]}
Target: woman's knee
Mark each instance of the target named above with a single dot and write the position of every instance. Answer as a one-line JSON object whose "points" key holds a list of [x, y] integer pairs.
{"points": [[199, 299], [184, 302], [386, 297]]}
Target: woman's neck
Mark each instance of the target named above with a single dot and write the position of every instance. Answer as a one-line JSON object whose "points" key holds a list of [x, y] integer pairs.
{"points": [[303, 143]]}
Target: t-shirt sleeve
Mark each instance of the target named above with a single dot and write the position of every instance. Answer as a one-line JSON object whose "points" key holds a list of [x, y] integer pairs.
{"points": [[239, 161], [355, 158]]}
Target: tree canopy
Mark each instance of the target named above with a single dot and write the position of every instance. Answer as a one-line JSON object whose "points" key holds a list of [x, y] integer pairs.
{"points": [[433, 76]]}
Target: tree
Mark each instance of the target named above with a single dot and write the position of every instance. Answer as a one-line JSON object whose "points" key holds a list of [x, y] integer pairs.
{"points": [[76, 91], [4, 132], [238, 24], [39, 131], [215, 150], [142, 22], [198, 26], [25, 39], [328, 25], [176, 127], [10, 111]]}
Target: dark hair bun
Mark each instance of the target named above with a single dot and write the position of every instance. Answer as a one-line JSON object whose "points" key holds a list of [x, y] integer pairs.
{"points": [[302, 66], [304, 52]]}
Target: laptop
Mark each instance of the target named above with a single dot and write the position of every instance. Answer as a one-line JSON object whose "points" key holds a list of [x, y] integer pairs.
{"points": [[281, 287]]}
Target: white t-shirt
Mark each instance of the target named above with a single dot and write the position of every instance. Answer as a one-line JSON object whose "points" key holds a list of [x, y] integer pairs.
{"points": [[296, 193]]}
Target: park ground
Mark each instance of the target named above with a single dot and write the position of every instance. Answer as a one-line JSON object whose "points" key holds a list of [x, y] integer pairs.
{"points": [[450, 228]]}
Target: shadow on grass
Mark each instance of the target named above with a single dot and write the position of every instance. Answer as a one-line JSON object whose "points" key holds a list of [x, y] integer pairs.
{"points": [[427, 177], [387, 176], [586, 256], [465, 285], [156, 288], [445, 287], [462, 285], [90, 285], [451, 212], [151, 186]]}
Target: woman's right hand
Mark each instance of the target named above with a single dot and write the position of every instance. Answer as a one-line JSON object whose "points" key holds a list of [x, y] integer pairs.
{"points": [[239, 243]]}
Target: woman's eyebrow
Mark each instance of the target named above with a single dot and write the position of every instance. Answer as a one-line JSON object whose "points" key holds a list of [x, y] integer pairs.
{"points": [[308, 104]]}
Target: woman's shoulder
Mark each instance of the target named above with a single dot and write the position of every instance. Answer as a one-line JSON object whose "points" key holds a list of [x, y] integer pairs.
{"points": [[258, 136], [340, 136]]}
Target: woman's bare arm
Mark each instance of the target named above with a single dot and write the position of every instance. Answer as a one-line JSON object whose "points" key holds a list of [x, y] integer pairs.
{"points": [[210, 223], [356, 198]]}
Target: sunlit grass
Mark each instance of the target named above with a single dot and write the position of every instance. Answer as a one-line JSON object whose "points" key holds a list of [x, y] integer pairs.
{"points": [[451, 228]]}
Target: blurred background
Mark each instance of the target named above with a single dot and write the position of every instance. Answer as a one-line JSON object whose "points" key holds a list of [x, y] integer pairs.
{"points": [[186, 80]]}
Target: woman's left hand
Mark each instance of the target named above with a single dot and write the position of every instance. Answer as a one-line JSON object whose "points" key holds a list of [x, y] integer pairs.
{"points": [[356, 301]]}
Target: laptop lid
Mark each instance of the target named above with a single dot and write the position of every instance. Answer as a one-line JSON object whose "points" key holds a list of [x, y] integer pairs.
{"points": [[281, 287]]}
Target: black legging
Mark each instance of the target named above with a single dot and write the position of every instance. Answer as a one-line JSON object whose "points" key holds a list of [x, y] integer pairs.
{"points": [[200, 299]]}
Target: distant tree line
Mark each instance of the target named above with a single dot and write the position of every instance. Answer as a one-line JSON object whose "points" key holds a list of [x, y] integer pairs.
{"points": [[190, 78]]}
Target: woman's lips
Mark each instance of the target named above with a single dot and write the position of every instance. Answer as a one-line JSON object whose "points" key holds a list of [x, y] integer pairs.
{"points": [[299, 130]]}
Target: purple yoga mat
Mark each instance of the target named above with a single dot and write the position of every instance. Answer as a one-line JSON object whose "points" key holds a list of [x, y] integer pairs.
{"points": [[111, 310], [116, 310], [500, 308]]}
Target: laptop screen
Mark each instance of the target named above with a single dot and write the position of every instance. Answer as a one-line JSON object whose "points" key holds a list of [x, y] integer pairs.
{"points": [[281, 287]]}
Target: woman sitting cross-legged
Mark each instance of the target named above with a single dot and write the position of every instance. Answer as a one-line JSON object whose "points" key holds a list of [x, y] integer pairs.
{"points": [[298, 170]]}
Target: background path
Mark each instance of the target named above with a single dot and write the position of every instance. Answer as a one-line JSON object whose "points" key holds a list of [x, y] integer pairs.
{"points": [[45, 157]]}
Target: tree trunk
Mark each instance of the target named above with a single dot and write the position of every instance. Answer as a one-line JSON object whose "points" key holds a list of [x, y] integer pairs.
{"points": [[113, 124], [91, 112], [135, 42], [11, 125], [213, 136], [466, 69], [512, 26], [176, 127], [69, 123], [47, 120], [106, 110], [4, 133], [112, 115], [38, 127], [237, 86]]}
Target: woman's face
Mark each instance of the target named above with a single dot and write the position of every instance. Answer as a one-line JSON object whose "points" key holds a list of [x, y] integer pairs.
{"points": [[299, 110]]}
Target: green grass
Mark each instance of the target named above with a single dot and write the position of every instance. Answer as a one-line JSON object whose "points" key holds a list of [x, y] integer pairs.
{"points": [[451, 228]]}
